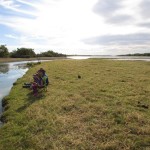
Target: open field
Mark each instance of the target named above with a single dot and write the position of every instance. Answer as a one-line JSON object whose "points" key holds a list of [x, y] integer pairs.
{"points": [[28, 59], [106, 108]]}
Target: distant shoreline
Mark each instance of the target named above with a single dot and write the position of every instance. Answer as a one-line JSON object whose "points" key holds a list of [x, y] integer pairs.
{"points": [[116, 57], [5, 60]]}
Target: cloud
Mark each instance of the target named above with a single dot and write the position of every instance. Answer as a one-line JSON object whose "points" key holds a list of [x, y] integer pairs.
{"points": [[8, 4], [120, 19], [28, 3], [144, 13], [145, 8], [107, 7], [126, 49], [144, 24], [116, 12], [134, 39], [11, 36], [11, 5], [59, 23], [62, 24]]}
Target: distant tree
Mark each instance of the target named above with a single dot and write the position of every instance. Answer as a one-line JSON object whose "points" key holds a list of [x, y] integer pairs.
{"points": [[23, 53], [137, 54], [4, 51], [50, 53]]}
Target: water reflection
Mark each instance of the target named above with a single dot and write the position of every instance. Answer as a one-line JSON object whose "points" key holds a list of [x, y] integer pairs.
{"points": [[143, 58], [9, 73], [4, 68]]}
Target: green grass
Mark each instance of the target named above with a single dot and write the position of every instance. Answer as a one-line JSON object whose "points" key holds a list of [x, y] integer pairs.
{"points": [[100, 111]]}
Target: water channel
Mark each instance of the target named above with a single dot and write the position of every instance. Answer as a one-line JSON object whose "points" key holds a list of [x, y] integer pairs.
{"points": [[9, 73]]}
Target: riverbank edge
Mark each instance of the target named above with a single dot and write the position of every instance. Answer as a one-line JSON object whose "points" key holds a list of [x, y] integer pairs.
{"points": [[4, 108], [5, 104], [6, 60]]}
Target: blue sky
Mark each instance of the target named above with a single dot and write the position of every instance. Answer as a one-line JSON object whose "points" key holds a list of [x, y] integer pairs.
{"points": [[98, 27]]}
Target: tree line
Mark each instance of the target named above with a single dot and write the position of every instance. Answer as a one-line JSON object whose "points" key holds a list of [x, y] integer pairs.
{"points": [[26, 53], [138, 54]]}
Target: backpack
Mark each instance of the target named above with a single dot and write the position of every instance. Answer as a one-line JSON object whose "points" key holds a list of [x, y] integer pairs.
{"points": [[47, 81]]}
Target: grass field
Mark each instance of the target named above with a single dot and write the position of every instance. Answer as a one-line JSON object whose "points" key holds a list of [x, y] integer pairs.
{"points": [[105, 109]]}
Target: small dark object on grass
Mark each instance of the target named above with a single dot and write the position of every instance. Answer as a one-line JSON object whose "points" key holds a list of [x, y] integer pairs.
{"points": [[145, 106], [26, 85], [142, 105], [79, 77]]}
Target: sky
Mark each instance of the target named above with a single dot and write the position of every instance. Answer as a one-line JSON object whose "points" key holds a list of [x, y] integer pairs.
{"points": [[86, 27]]}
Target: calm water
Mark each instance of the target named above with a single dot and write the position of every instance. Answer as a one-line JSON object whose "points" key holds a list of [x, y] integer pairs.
{"points": [[143, 58]]}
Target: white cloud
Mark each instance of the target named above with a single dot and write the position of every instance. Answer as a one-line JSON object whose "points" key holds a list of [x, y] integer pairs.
{"points": [[11, 36], [60, 24], [35, 5], [10, 5], [145, 8], [128, 39]]}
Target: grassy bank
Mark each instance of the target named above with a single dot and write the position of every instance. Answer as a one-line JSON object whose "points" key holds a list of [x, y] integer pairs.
{"points": [[102, 110], [2, 60]]}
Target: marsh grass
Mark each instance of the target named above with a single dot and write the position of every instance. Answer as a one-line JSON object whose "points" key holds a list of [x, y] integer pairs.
{"points": [[98, 111]]}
